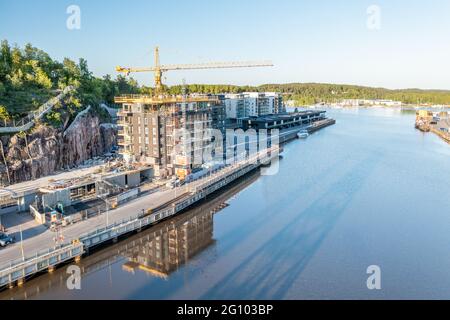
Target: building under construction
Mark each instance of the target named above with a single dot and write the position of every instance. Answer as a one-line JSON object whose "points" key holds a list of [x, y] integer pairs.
{"points": [[149, 124]]}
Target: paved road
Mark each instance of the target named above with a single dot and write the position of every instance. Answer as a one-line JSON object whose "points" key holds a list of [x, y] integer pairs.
{"points": [[27, 186], [45, 239]]}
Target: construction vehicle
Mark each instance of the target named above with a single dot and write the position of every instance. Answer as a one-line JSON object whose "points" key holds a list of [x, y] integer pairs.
{"points": [[159, 69]]}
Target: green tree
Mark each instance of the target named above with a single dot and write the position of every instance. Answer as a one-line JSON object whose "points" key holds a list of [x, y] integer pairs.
{"points": [[5, 59], [4, 114]]}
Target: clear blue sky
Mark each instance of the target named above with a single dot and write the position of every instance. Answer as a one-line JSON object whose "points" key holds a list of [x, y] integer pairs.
{"points": [[308, 41]]}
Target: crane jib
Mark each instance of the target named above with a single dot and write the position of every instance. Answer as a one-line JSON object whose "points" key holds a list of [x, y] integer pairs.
{"points": [[159, 69]]}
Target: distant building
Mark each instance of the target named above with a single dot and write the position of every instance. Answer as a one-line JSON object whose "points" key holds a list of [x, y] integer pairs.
{"points": [[253, 104], [235, 106], [373, 102], [275, 103], [283, 121]]}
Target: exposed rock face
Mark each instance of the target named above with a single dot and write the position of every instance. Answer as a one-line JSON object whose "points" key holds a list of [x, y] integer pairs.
{"points": [[50, 149]]}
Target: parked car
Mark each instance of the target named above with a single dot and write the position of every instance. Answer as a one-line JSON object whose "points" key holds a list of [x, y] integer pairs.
{"points": [[173, 183], [5, 239]]}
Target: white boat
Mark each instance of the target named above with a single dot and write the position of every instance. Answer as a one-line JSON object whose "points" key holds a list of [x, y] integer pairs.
{"points": [[303, 134]]}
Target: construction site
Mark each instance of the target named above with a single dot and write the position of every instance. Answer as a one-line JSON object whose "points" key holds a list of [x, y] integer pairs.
{"points": [[147, 157], [154, 175]]}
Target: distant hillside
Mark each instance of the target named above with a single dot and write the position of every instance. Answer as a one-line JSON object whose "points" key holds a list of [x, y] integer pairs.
{"points": [[310, 93]]}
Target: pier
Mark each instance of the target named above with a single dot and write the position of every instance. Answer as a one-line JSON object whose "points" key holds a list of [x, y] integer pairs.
{"points": [[437, 123]]}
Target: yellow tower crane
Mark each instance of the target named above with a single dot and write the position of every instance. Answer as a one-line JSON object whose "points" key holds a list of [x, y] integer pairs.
{"points": [[159, 69]]}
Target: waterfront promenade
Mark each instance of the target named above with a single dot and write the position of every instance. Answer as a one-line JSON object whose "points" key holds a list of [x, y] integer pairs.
{"points": [[158, 200]]}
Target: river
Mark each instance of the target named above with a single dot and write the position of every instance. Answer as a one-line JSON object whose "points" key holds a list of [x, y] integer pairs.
{"points": [[370, 190]]}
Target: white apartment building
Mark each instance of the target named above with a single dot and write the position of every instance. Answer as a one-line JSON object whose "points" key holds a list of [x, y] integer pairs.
{"points": [[235, 106], [276, 104], [253, 104]]}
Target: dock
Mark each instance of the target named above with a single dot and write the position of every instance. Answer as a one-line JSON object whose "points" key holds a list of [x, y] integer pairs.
{"points": [[316, 126], [437, 123]]}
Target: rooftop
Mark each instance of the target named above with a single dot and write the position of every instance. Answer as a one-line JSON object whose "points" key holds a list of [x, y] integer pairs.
{"points": [[284, 116]]}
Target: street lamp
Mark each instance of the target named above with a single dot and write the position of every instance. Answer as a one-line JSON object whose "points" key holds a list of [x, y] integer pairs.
{"points": [[107, 209], [21, 243], [102, 196]]}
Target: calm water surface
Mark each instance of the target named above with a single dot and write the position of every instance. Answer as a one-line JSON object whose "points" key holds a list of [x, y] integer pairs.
{"points": [[370, 190]]}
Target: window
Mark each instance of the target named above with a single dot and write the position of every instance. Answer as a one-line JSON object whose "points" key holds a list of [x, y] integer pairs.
{"points": [[154, 121], [146, 130], [146, 140], [146, 120], [154, 140], [154, 131]]}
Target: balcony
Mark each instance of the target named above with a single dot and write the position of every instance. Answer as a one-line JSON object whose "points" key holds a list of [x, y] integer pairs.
{"points": [[124, 141], [122, 123], [124, 113]]}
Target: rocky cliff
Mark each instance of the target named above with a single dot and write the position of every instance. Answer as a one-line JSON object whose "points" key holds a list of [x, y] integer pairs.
{"points": [[45, 149]]}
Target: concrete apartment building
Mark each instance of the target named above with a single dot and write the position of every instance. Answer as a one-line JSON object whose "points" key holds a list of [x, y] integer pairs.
{"points": [[253, 104], [147, 129], [235, 106], [275, 102]]}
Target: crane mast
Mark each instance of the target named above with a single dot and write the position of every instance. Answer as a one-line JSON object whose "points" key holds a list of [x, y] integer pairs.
{"points": [[159, 69]]}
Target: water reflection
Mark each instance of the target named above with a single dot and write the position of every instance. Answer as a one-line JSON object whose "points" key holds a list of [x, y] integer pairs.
{"points": [[163, 251], [303, 235]]}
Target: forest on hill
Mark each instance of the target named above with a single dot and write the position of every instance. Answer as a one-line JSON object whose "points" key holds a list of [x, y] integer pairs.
{"points": [[312, 93], [29, 77]]}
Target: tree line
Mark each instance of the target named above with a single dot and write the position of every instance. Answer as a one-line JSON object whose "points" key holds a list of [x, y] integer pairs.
{"points": [[312, 93], [29, 77]]}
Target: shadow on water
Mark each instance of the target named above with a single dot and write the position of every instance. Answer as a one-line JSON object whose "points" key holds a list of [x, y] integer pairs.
{"points": [[271, 270], [253, 223]]}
